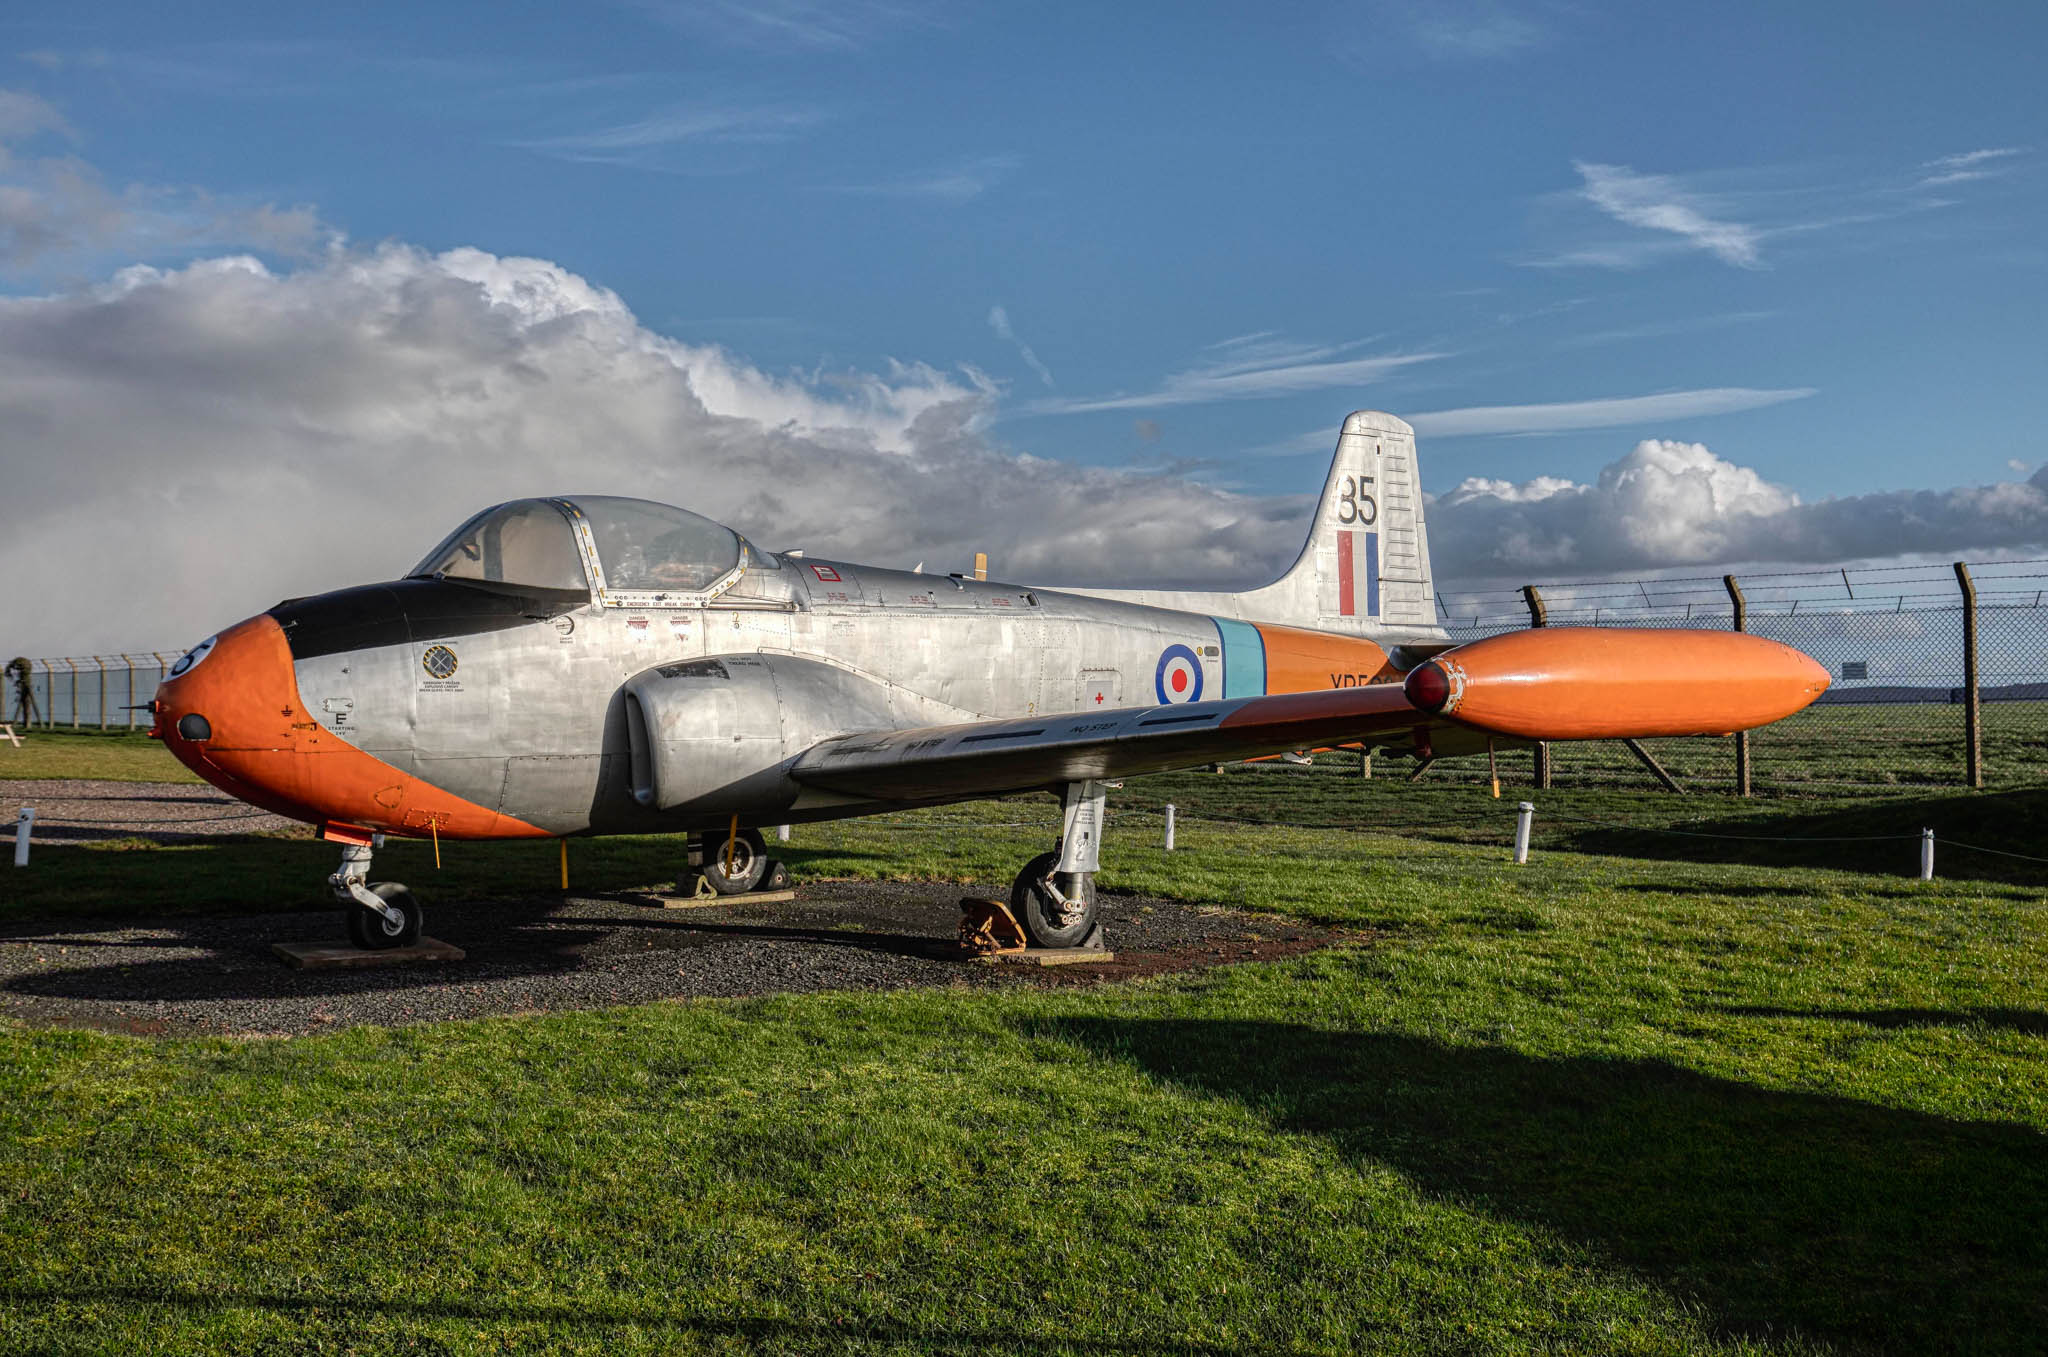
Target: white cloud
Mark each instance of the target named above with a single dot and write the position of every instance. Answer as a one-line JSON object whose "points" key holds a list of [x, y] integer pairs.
{"points": [[639, 141], [184, 447], [58, 207], [798, 25], [24, 115], [1250, 367], [957, 183], [1969, 165], [1562, 416], [1735, 215], [1658, 202], [999, 321], [1600, 414], [1448, 30], [1669, 504]]}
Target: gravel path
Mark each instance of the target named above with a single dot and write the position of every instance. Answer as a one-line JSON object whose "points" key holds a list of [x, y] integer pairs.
{"points": [[219, 975], [69, 810]]}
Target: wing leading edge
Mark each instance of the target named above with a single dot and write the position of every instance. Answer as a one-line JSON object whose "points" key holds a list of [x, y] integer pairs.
{"points": [[993, 757]]}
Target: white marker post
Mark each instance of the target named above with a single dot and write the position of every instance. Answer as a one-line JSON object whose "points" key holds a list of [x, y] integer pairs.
{"points": [[21, 833], [1525, 816], [1169, 826], [1927, 855], [782, 833]]}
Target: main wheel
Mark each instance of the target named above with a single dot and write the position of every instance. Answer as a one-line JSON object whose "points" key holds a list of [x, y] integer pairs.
{"points": [[750, 862], [1045, 921], [367, 928]]}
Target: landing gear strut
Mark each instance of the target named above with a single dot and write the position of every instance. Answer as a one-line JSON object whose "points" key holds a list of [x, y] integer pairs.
{"points": [[1054, 896], [379, 916]]}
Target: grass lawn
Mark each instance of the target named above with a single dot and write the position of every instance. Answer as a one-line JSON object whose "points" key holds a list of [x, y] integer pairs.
{"points": [[108, 756], [1598, 1103]]}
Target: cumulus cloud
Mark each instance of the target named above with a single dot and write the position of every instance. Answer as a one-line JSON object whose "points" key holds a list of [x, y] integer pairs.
{"points": [[184, 447], [1669, 504]]}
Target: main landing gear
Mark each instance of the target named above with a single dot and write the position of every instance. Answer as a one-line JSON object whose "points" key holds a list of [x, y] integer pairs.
{"points": [[1053, 898], [732, 862], [380, 915]]}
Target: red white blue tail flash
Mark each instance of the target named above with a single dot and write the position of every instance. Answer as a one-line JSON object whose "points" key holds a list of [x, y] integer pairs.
{"points": [[1358, 572]]}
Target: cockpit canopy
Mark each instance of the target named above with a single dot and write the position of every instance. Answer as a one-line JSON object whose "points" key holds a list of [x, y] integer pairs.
{"points": [[641, 547]]}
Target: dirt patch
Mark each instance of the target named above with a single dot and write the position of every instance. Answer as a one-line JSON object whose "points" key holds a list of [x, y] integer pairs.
{"points": [[218, 975]]}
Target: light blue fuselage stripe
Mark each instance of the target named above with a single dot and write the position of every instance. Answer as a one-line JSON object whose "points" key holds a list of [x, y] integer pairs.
{"points": [[1372, 574], [1244, 658]]}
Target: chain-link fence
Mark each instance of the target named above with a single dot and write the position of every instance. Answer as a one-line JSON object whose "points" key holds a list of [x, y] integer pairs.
{"points": [[104, 692], [1907, 647]]}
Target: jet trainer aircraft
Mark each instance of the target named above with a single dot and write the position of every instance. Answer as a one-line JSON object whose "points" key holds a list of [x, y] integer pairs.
{"points": [[595, 665]]}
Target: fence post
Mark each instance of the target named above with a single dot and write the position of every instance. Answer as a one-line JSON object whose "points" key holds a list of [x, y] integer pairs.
{"points": [[1973, 746], [1538, 616], [131, 688], [74, 690], [1927, 855], [1741, 607], [103, 690]]}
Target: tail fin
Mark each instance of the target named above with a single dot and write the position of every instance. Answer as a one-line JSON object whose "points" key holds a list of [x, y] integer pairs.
{"points": [[1365, 567]]}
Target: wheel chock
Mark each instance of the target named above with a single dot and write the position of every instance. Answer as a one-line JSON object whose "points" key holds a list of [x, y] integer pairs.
{"points": [[987, 927]]}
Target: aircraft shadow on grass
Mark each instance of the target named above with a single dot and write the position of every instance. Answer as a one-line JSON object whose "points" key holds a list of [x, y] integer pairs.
{"points": [[346, 1313], [1847, 1221]]}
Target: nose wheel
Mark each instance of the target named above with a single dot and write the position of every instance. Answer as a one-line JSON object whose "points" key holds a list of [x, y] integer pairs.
{"points": [[379, 916], [377, 930]]}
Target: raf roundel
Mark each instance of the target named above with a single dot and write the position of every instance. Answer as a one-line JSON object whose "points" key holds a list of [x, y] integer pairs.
{"points": [[1180, 676]]}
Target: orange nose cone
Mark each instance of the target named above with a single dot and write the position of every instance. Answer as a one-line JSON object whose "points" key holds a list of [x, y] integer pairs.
{"points": [[232, 696], [231, 712], [1598, 683]]}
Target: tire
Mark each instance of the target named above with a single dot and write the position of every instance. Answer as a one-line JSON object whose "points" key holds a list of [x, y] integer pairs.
{"points": [[750, 862], [373, 931], [1045, 924]]}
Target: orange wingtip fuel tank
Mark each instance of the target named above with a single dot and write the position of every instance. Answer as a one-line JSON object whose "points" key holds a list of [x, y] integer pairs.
{"points": [[1600, 683]]}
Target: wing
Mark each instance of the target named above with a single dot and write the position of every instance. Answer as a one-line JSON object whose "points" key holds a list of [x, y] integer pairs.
{"points": [[987, 758]]}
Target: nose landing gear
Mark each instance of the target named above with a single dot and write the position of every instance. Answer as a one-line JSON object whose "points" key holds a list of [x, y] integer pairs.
{"points": [[1054, 896], [379, 916]]}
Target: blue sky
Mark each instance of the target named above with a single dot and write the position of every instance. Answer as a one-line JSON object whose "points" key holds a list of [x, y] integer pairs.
{"points": [[1809, 238]]}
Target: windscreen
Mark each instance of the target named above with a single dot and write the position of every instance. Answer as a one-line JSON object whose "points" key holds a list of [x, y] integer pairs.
{"points": [[657, 548], [527, 542]]}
